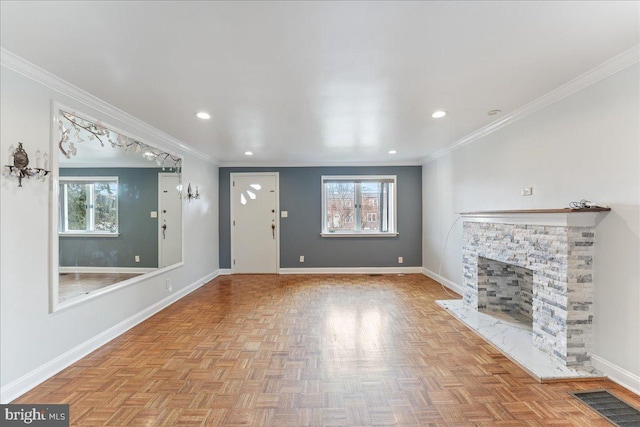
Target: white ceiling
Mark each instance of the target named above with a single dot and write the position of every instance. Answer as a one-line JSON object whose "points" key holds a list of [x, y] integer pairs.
{"points": [[318, 82]]}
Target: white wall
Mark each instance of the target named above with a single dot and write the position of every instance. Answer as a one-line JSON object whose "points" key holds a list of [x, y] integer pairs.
{"points": [[584, 146], [33, 341]]}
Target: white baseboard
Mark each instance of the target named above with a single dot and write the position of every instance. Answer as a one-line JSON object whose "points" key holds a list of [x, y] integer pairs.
{"points": [[352, 270], [225, 271], [617, 374], [114, 270], [445, 282], [17, 388]]}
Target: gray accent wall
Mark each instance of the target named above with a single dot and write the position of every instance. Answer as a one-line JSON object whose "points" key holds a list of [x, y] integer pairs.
{"points": [[137, 197], [300, 195]]}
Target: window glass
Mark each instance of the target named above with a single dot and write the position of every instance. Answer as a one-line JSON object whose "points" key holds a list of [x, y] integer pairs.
{"points": [[76, 206], [340, 198], [358, 204], [88, 205], [370, 203], [106, 207]]}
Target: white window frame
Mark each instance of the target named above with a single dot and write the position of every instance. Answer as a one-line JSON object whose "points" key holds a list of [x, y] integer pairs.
{"points": [[393, 214], [65, 202]]}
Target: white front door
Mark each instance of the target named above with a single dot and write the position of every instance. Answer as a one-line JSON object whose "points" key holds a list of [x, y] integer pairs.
{"points": [[169, 220], [254, 222]]}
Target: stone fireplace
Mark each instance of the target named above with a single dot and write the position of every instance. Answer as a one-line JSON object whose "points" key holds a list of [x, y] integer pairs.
{"points": [[537, 268]]}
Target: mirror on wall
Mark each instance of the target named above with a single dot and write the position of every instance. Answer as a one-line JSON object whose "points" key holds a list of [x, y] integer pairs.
{"points": [[118, 209]]}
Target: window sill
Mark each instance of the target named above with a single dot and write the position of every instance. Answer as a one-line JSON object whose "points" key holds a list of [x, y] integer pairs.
{"points": [[89, 234], [347, 234]]}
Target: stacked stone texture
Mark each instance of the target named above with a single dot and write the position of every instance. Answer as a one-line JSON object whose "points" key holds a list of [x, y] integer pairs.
{"points": [[561, 259], [505, 288]]}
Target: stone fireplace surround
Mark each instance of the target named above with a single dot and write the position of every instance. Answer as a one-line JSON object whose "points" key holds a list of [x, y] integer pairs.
{"points": [[561, 259], [558, 247]]}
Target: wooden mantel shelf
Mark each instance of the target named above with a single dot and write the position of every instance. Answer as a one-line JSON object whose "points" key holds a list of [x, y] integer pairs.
{"points": [[538, 211], [563, 217]]}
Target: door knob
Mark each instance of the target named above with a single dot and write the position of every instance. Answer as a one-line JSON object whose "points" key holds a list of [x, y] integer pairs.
{"points": [[273, 230]]}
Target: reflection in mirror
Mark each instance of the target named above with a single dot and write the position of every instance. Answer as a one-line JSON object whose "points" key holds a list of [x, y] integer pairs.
{"points": [[119, 208]]}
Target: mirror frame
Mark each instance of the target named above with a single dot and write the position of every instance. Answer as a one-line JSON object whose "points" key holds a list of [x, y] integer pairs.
{"points": [[54, 244]]}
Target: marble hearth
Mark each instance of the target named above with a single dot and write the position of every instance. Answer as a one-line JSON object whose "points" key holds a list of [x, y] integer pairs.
{"points": [[530, 275]]}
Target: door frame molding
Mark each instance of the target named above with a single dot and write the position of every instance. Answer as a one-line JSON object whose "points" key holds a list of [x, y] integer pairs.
{"points": [[232, 175]]}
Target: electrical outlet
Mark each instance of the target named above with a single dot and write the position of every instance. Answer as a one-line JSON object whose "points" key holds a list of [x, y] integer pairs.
{"points": [[301, 258], [527, 191], [137, 258], [400, 260]]}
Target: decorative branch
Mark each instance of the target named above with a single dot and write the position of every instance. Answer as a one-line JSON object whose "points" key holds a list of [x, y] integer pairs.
{"points": [[99, 132]]}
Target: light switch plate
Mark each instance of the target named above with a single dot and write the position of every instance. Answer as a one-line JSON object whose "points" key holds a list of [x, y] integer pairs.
{"points": [[154, 214], [284, 214]]}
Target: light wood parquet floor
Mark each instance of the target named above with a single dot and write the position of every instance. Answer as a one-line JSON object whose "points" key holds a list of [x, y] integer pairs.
{"points": [[316, 350], [73, 284]]}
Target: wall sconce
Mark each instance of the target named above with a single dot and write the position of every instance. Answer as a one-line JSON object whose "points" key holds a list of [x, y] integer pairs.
{"points": [[191, 195], [20, 168]]}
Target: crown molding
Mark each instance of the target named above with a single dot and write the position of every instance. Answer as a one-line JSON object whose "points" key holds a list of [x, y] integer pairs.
{"points": [[604, 70], [258, 164], [21, 66]]}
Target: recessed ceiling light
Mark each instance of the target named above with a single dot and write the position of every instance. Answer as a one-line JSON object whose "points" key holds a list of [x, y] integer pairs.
{"points": [[494, 112], [438, 114], [202, 115], [392, 151], [248, 153]]}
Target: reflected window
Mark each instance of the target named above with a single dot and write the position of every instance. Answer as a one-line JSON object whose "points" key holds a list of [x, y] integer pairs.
{"points": [[88, 205], [355, 331]]}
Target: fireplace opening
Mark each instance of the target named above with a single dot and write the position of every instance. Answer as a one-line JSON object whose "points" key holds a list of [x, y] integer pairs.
{"points": [[506, 291]]}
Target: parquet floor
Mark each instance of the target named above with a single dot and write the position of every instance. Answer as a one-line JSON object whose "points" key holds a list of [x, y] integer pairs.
{"points": [[73, 284], [310, 351]]}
